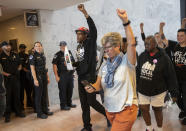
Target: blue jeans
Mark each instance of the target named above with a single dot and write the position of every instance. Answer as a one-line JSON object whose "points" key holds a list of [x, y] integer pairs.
{"points": [[2, 104]]}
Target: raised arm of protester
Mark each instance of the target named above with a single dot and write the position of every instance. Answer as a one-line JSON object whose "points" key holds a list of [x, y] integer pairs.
{"points": [[131, 48], [83, 10], [165, 41], [183, 23], [90, 22], [142, 31]]}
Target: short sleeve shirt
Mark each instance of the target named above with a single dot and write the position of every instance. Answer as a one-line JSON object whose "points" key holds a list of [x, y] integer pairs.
{"points": [[123, 93], [38, 60], [10, 63], [59, 60]]}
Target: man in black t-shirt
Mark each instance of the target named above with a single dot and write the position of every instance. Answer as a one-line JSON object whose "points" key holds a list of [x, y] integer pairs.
{"points": [[86, 68], [180, 68]]}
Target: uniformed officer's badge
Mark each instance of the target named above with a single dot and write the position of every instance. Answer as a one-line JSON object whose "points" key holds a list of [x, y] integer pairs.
{"points": [[55, 56], [30, 57]]}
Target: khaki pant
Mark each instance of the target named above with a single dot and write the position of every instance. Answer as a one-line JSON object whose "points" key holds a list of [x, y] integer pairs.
{"points": [[123, 121]]}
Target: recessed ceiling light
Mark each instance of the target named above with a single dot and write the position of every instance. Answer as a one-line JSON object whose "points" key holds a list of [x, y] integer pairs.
{"points": [[12, 28], [0, 10]]}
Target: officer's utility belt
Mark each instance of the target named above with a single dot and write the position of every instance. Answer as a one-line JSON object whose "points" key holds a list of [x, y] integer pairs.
{"points": [[41, 71], [66, 71]]}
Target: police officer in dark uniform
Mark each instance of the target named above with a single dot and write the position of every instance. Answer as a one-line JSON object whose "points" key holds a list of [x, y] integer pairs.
{"points": [[41, 80], [24, 76], [29, 76], [64, 77], [2, 93], [11, 66], [2, 90]]}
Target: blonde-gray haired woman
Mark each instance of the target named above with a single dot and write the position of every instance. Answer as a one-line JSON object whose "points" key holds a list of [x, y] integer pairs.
{"points": [[117, 78]]}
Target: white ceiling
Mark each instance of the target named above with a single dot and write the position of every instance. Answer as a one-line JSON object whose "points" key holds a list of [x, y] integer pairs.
{"points": [[12, 8]]}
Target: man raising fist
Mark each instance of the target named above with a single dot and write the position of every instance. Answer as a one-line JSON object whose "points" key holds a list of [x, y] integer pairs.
{"points": [[86, 67]]}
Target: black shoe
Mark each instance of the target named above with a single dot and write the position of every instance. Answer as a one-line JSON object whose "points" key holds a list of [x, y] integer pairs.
{"points": [[7, 119], [148, 130], [20, 115], [22, 106], [72, 106], [181, 115], [29, 105], [86, 129], [49, 113], [42, 116], [65, 108], [184, 121]]}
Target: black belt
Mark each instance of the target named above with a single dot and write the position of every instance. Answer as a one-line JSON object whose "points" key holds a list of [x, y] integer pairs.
{"points": [[66, 71], [41, 71]]}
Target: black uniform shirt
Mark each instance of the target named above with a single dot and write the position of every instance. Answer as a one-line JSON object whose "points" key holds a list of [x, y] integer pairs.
{"points": [[24, 59], [39, 61], [10, 63], [59, 60], [2, 86]]}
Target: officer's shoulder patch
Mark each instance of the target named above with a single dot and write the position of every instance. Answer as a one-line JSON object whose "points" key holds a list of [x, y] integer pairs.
{"points": [[31, 57]]}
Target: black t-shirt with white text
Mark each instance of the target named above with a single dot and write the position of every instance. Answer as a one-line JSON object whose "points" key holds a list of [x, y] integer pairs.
{"points": [[180, 62]]}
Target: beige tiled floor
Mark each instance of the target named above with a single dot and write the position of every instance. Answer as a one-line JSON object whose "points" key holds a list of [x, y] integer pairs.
{"points": [[71, 121]]}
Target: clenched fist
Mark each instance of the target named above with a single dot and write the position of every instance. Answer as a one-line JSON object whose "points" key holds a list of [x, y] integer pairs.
{"points": [[123, 15], [81, 7], [162, 24], [183, 25], [184, 20], [141, 27]]}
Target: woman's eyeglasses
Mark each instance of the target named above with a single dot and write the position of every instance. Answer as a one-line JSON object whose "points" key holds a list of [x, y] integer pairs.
{"points": [[107, 47]]}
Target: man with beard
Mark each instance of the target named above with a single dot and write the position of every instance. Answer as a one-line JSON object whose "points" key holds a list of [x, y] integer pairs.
{"points": [[11, 67]]}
